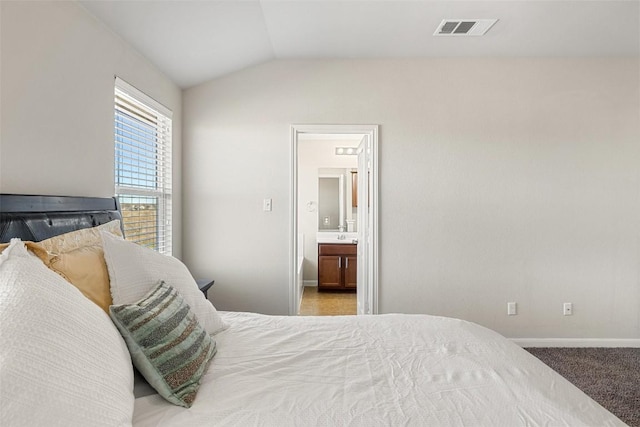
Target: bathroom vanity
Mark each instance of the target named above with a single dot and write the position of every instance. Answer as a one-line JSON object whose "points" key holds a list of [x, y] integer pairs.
{"points": [[337, 266]]}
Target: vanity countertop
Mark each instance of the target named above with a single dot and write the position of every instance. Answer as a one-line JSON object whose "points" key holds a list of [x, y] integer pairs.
{"points": [[336, 237]]}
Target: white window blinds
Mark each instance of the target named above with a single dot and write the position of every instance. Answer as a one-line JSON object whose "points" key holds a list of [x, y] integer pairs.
{"points": [[143, 167]]}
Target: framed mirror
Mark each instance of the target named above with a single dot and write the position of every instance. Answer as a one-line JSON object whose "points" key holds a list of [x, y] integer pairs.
{"points": [[336, 209]]}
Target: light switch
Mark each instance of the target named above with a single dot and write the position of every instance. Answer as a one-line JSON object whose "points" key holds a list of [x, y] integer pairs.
{"points": [[266, 205]]}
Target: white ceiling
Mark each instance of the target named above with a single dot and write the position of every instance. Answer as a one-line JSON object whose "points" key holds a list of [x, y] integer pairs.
{"points": [[195, 41]]}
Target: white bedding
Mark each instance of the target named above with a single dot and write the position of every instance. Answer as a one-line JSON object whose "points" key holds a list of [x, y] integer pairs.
{"points": [[386, 370]]}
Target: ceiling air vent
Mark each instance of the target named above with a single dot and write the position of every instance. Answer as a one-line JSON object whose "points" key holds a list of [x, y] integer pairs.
{"points": [[464, 27]]}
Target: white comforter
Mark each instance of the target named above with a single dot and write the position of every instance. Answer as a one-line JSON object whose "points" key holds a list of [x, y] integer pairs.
{"points": [[387, 370]]}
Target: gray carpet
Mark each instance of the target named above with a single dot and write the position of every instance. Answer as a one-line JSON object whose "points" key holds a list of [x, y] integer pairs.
{"points": [[610, 376]]}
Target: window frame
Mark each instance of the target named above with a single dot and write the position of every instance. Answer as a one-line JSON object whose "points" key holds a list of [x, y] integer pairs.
{"points": [[161, 118]]}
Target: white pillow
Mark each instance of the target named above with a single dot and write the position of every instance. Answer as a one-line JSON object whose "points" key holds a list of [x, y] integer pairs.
{"points": [[62, 361], [135, 270]]}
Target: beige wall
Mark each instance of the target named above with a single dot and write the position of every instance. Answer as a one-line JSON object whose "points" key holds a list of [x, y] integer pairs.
{"points": [[500, 180], [57, 78]]}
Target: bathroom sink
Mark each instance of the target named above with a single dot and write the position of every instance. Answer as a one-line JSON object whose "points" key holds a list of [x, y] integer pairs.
{"points": [[336, 237]]}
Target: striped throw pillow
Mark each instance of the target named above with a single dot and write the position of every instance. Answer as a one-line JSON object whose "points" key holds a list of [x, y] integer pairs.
{"points": [[167, 344]]}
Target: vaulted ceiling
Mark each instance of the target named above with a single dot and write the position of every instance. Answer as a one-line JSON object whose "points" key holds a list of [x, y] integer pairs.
{"points": [[195, 41]]}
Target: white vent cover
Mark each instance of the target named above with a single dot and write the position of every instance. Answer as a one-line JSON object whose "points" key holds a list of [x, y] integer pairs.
{"points": [[464, 27]]}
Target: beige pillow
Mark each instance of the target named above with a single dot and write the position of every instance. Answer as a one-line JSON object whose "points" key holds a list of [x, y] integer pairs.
{"points": [[78, 257], [80, 238], [86, 270]]}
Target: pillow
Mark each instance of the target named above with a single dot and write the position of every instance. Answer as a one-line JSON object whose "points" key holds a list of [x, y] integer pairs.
{"points": [[78, 257], [86, 270], [135, 270], [167, 344], [68, 242], [63, 361]]}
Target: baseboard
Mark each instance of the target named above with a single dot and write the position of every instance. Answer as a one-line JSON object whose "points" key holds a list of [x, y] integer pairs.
{"points": [[310, 283], [577, 342]]}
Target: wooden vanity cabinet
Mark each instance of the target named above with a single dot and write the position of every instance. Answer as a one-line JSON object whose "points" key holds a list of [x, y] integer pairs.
{"points": [[337, 266]]}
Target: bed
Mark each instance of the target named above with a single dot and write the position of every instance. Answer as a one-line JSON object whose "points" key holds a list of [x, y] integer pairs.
{"points": [[383, 370]]}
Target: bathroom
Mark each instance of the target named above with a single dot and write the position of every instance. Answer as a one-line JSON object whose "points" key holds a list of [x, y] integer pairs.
{"points": [[327, 217]]}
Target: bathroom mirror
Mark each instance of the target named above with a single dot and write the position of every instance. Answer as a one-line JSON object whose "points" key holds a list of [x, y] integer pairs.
{"points": [[330, 203], [336, 211]]}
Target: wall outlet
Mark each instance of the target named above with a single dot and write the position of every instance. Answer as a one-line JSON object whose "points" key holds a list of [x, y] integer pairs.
{"points": [[567, 309], [512, 308]]}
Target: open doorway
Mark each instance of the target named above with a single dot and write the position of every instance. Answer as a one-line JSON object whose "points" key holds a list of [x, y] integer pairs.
{"points": [[334, 163]]}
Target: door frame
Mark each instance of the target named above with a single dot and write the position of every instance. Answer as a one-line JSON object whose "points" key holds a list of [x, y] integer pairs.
{"points": [[295, 296]]}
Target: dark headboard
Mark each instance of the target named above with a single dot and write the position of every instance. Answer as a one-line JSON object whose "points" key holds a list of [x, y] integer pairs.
{"points": [[38, 218]]}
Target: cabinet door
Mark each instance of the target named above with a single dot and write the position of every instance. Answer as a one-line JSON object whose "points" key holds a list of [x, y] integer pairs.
{"points": [[329, 271], [350, 271]]}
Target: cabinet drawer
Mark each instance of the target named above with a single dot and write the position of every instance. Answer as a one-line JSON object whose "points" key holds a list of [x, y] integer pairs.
{"points": [[331, 249]]}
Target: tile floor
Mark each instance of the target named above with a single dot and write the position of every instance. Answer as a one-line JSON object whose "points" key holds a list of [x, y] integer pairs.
{"points": [[316, 303]]}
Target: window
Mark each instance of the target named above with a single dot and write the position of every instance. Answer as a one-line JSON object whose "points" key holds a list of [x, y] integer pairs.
{"points": [[143, 167]]}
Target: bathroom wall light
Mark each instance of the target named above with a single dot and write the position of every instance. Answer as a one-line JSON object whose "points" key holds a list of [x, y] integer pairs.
{"points": [[346, 151]]}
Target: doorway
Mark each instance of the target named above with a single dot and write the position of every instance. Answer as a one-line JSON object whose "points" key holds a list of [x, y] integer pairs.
{"points": [[361, 226]]}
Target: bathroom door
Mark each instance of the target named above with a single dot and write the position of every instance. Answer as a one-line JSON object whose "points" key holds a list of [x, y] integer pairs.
{"points": [[364, 227]]}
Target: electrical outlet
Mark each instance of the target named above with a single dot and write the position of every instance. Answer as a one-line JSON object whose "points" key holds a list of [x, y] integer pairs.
{"points": [[512, 308], [567, 309]]}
